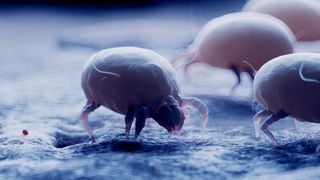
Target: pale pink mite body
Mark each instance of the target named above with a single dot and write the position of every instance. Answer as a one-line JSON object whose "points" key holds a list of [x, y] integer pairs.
{"points": [[302, 16], [240, 42]]}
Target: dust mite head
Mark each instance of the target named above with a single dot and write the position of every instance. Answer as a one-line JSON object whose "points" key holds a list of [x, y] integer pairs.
{"points": [[170, 117]]}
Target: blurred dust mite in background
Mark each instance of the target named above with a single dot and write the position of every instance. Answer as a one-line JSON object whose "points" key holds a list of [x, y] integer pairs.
{"points": [[288, 85], [137, 83], [239, 40], [302, 16]]}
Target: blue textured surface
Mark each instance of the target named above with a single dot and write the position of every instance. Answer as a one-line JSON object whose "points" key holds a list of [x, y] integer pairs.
{"points": [[42, 53]]}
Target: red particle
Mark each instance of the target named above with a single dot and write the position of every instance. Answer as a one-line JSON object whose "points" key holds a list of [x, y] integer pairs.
{"points": [[25, 132]]}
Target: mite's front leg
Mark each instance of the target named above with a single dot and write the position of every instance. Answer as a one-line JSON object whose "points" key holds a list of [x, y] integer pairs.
{"points": [[256, 120], [192, 102], [128, 120], [141, 117], [87, 109], [275, 117]]}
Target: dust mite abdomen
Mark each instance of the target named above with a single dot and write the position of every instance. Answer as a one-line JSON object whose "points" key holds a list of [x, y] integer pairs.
{"points": [[236, 40], [302, 16], [288, 86], [137, 83]]}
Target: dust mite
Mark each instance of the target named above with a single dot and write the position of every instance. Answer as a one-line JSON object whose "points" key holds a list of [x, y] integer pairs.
{"points": [[288, 85], [137, 83], [238, 41], [302, 16]]}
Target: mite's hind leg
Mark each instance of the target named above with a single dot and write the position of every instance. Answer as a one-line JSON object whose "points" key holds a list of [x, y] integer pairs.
{"points": [[256, 121], [87, 109], [274, 118], [175, 62], [251, 73], [236, 71], [187, 68], [128, 120], [141, 116]]}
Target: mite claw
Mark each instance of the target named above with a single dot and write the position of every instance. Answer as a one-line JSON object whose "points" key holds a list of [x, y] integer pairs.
{"points": [[128, 120], [127, 135], [136, 135], [127, 132], [92, 140]]}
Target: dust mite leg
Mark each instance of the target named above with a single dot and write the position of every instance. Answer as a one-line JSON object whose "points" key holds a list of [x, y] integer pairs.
{"points": [[187, 68], [251, 74], [256, 120], [186, 114], [236, 71], [274, 118], [177, 60], [192, 102], [129, 119], [141, 117], [87, 109]]}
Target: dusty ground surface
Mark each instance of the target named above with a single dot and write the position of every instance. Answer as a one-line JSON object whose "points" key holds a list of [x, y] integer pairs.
{"points": [[42, 52]]}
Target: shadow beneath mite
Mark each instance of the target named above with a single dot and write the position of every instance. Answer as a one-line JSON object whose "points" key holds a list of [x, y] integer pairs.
{"points": [[124, 146], [107, 146], [63, 140], [127, 146]]}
